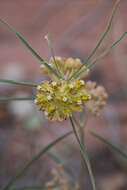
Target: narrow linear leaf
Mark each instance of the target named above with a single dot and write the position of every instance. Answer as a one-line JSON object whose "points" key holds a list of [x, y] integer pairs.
{"points": [[52, 53], [84, 154], [103, 140], [19, 83], [34, 187], [34, 159], [7, 99], [102, 55], [100, 40], [29, 47], [58, 161]]}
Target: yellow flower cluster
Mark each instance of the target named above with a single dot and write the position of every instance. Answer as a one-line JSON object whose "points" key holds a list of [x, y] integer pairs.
{"points": [[58, 99], [67, 67], [98, 97]]}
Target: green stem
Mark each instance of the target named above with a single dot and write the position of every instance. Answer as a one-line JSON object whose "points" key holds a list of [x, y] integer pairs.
{"points": [[82, 176], [20, 83], [31, 162], [82, 126], [84, 154], [100, 40], [6, 99], [102, 55]]}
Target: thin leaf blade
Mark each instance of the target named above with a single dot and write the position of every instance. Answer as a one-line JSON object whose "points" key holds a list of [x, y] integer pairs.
{"points": [[100, 40], [18, 83], [100, 56], [30, 48]]}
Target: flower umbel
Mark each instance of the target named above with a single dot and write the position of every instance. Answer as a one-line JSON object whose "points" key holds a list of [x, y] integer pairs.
{"points": [[58, 99], [67, 66], [98, 98]]}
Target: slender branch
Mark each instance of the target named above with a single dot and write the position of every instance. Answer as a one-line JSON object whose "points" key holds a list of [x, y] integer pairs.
{"points": [[102, 55], [6, 99], [84, 154], [31, 162], [100, 40], [20, 83]]}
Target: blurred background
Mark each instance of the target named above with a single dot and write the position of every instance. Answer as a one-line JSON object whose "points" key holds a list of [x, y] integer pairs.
{"points": [[74, 28]]}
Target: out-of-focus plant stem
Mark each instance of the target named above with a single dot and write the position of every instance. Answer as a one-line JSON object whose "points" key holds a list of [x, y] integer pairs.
{"points": [[33, 187]]}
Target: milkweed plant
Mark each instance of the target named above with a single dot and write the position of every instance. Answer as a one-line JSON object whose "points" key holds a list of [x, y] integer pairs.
{"points": [[66, 93]]}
